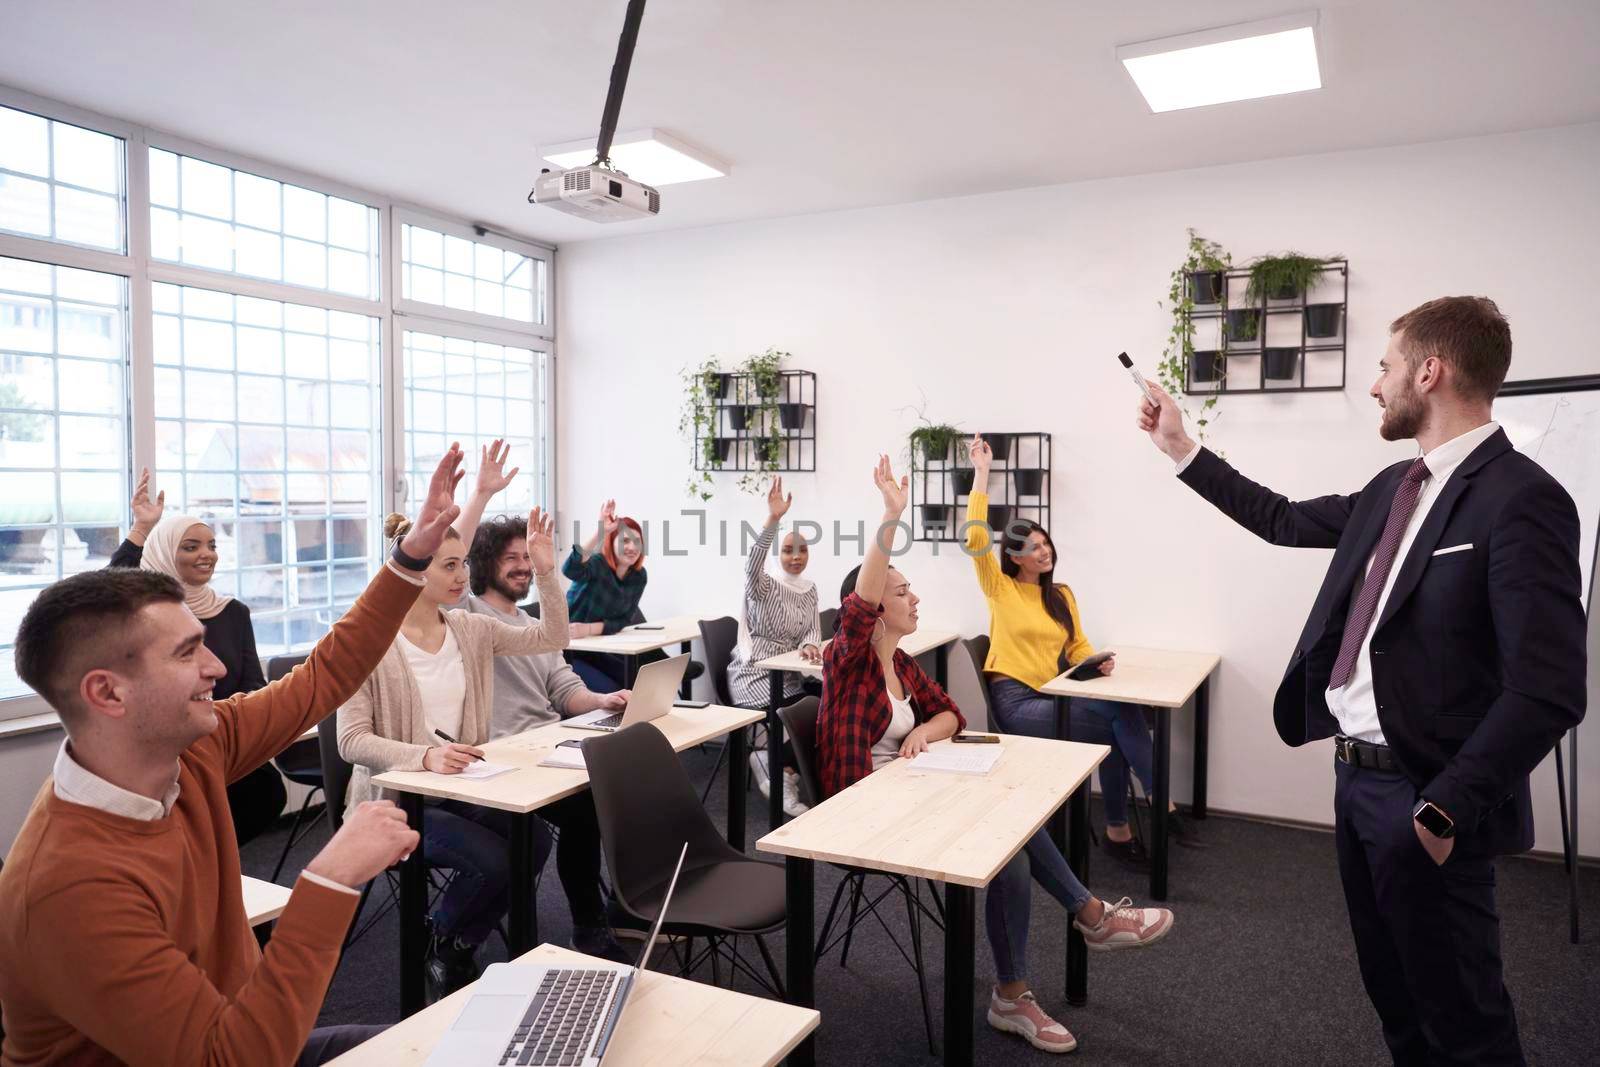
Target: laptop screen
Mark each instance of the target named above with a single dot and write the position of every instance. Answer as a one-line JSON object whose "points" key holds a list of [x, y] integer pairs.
{"points": [[644, 957]]}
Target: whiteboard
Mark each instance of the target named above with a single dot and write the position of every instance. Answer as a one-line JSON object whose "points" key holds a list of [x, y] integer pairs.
{"points": [[1556, 422]]}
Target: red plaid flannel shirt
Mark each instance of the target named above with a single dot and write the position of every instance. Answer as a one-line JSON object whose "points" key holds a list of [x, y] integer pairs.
{"points": [[855, 701]]}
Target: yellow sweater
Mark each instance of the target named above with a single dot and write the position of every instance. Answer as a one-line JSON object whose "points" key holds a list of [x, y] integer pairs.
{"points": [[1024, 641]]}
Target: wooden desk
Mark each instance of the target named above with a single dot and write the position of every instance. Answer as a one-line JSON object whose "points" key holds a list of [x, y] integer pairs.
{"points": [[522, 793], [953, 828], [667, 1022], [913, 645], [1164, 680], [263, 901], [632, 642]]}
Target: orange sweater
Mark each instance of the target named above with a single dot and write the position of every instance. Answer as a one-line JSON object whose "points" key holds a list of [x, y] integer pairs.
{"points": [[126, 941]]}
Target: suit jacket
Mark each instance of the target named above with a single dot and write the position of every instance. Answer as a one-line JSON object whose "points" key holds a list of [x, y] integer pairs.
{"points": [[1478, 658]]}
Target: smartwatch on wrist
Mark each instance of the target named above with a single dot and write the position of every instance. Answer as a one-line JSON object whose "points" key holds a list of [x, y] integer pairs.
{"points": [[1433, 819], [410, 563]]}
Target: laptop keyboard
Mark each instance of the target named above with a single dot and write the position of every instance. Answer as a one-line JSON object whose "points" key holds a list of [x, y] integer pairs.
{"points": [[560, 1024], [610, 722]]}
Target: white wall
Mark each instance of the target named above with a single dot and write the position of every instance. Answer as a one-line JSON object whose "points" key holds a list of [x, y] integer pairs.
{"points": [[1006, 311]]}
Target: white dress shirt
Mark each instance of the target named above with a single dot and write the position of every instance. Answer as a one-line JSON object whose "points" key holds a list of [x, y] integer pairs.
{"points": [[1354, 706]]}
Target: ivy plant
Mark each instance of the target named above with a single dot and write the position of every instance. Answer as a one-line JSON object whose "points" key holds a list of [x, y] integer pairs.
{"points": [[763, 385], [703, 385], [1203, 257]]}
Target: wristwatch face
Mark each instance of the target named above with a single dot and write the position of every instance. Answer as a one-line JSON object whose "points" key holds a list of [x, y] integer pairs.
{"points": [[1433, 820]]}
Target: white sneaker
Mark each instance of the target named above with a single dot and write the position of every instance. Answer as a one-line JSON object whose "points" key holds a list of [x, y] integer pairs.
{"points": [[792, 804], [758, 772]]}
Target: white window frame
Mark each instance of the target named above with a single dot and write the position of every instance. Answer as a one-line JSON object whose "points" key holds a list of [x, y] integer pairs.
{"points": [[393, 313]]}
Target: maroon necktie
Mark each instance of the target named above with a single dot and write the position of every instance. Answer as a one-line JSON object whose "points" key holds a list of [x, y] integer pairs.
{"points": [[1366, 605]]}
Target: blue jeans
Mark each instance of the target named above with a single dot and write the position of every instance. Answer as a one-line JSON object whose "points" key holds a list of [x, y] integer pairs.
{"points": [[474, 842], [1019, 709], [1009, 902]]}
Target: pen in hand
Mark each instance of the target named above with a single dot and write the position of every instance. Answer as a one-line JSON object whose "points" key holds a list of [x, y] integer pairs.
{"points": [[441, 735]]}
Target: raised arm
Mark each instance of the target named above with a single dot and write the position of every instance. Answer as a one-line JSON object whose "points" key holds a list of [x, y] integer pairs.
{"points": [[875, 568], [550, 633], [980, 539], [492, 478], [604, 528], [146, 512], [1315, 523], [254, 727], [757, 582]]}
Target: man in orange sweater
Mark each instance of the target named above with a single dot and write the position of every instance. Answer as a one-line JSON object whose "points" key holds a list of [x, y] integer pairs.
{"points": [[123, 935]]}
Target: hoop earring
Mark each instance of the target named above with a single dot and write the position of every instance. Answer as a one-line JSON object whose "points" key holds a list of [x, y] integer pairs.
{"points": [[880, 629]]}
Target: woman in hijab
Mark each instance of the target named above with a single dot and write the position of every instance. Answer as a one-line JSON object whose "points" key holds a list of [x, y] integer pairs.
{"points": [[185, 548], [779, 615]]}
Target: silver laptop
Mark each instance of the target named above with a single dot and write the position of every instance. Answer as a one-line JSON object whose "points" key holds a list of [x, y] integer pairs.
{"points": [[527, 1014], [653, 693]]}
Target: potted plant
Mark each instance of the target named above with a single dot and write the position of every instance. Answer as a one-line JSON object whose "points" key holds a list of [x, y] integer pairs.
{"points": [[1178, 359], [962, 478], [718, 449], [704, 385], [1322, 320], [1285, 277], [1243, 324], [1030, 480], [739, 415], [933, 441], [1206, 365], [1281, 363]]}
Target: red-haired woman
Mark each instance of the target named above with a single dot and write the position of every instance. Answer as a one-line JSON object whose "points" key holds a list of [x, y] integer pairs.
{"points": [[608, 579]]}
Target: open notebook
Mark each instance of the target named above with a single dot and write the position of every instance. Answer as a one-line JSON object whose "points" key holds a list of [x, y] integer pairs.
{"points": [[953, 759]]}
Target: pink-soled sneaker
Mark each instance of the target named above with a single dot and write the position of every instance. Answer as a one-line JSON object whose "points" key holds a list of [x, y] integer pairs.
{"points": [[1125, 926], [1024, 1016]]}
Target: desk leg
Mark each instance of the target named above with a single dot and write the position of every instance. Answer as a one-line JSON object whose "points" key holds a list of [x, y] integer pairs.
{"points": [[630, 670], [738, 769], [1058, 819], [1158, 805], [1078, 860], [524, 917], [775, 752], [959, 913], [413, 913], [1202, 747], [799, 877], [941, 666], [686, 688]]}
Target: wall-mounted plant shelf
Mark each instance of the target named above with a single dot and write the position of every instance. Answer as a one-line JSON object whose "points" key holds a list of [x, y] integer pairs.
{"points": [[1290, 342], [1019, 485], [745, 424]]}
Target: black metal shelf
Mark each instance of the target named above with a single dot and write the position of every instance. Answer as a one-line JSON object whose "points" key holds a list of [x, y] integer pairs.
{"points": [[938, 510], [1229, 374], [739, 424]]}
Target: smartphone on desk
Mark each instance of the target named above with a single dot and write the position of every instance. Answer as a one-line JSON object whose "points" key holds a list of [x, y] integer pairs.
{"points": [[648, 626], [691, 703], [975, 739]]}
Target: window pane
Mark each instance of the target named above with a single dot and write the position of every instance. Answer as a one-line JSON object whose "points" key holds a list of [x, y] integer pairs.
{"points": [[238, 222], [60, 182], [460, 390], [475, 276], [254, 450], [65, 490]]}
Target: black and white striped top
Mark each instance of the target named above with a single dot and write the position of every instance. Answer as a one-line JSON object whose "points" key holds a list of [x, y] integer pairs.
{"points": [[780, 620]]}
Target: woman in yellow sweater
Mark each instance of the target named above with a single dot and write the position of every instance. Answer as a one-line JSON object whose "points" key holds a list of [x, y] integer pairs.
{"points": [[1033, 627]]}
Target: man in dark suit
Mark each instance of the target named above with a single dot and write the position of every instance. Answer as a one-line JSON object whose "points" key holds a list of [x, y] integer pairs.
{"points": [[1445, 655]]}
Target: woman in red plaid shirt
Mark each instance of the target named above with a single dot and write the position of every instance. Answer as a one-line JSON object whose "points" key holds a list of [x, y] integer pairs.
{"points": [[877, 704]]}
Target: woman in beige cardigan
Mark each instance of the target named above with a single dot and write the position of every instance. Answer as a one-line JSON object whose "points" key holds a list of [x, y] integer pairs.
{"points": [[426, 707]]}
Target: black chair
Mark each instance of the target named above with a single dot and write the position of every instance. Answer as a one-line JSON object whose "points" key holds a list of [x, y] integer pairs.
{"points": [[719, 636], [800, 719], [301, 763], [978, 650], [830, 623], [647, 812]]}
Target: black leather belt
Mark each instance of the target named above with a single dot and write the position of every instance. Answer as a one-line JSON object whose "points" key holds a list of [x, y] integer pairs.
{"points": [[1364, 754]]}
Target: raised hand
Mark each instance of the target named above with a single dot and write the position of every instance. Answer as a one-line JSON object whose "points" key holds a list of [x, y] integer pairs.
{"points": [[374, 837], [777, 503], [491, 463], [895, 493], [608, 518], [981, 456], [438, 509], [542, 541], [146, 512], [1164, 423]]}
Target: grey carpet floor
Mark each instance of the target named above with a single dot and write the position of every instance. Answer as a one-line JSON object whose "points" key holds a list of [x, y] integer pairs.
{"points": [[1259, 967]]}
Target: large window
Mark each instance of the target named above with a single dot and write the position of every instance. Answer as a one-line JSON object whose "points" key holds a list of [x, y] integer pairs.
{"points": [[252, 346], [486, 279], [60, 182], [209, 216], [63, 432], [475, 392], [267, 428]]}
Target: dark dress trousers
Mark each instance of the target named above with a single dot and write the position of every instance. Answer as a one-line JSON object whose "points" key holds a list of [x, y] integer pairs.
{"points": [[1478, 668]]}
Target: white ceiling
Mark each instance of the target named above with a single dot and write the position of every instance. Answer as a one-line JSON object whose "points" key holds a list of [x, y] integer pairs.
{"points": [[820, 105]]}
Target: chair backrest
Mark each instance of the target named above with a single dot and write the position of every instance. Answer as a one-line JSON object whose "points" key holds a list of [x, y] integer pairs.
{"points": [[719, 637], [647, 808], [336, 770], [967, 686], [800, 719], [279, 666], [830, 622]]}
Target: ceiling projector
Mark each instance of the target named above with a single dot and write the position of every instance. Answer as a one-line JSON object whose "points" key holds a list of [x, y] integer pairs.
{"points": [[596, 193]]}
